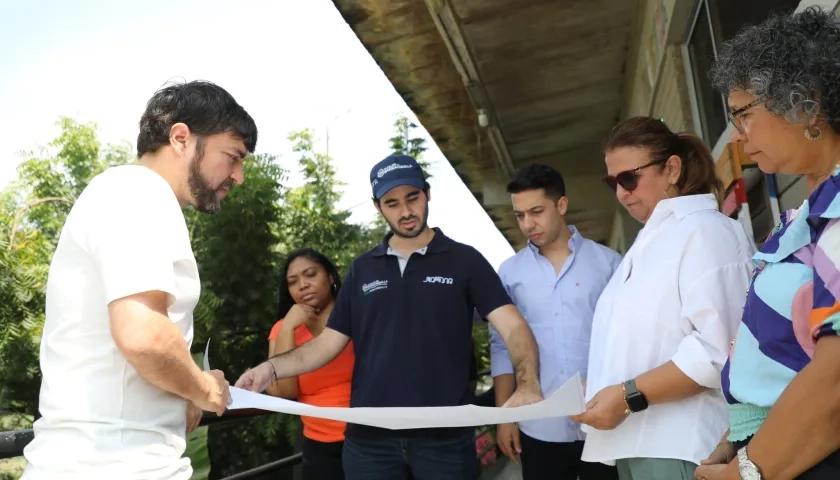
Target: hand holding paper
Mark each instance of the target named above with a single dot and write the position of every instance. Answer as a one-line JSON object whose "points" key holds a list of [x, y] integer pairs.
{"points": [[216, 393], [606, 410], [216, 389], [258, 378]]}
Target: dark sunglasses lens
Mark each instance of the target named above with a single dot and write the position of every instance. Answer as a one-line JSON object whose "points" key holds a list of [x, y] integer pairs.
{"points": [[611, 183], [627, 180]]}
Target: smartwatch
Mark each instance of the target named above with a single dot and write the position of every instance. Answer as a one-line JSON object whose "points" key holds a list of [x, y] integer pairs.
{"points": [[635, 400]]}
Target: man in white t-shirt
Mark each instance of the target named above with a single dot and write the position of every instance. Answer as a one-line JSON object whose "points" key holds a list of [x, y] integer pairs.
{"points": [[119, 388]]}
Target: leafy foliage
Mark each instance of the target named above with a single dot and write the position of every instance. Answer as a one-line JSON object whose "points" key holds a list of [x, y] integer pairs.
{"points": [[312, 219], [481, 341], [21, 313], [199, 454], [404, 143], [49, 183]]}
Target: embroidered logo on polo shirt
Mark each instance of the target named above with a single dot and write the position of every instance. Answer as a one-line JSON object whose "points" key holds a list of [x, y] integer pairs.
{"points": [[444, 280], [374, 286]]}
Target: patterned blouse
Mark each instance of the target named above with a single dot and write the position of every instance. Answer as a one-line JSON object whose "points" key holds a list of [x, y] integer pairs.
{"points": [[791, 303]]}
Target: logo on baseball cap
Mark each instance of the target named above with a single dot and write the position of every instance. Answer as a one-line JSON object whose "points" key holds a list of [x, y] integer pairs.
{"points": [[395, 171]]}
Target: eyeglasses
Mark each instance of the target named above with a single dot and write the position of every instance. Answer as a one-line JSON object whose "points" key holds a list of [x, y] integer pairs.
{"points": [[628, 179], [733, 116]]}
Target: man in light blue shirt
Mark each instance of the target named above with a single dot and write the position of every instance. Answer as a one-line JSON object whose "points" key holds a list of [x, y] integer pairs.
{"points": [[554, 282]]}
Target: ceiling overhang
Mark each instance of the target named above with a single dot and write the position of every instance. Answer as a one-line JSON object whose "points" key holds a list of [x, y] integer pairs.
{"points": [[503, 83]]}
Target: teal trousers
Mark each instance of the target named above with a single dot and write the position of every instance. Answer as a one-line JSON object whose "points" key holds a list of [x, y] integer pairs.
{"points": [[654, 469]]}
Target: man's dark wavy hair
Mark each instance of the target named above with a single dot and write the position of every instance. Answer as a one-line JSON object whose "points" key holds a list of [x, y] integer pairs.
{"points": [[792, 62], [206, 108]]}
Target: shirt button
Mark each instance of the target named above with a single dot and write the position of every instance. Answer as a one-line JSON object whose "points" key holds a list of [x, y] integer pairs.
{"points": [[555, 314]]}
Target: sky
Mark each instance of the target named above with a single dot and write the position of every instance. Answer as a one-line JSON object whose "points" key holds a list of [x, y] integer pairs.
{"points": [[291, 64]]}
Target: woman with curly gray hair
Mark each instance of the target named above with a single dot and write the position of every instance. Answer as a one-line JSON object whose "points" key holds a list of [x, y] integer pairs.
{"points": [[782, 380]]}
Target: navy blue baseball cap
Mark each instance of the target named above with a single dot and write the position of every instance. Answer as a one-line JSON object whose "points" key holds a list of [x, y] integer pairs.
{"points": [[395, 171]]}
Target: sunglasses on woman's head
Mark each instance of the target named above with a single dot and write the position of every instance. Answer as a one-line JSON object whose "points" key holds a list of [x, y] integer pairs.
{"points": [[628, 179]]}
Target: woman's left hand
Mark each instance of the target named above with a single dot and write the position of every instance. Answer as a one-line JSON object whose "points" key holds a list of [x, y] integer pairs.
{"points": [[606, 410]]}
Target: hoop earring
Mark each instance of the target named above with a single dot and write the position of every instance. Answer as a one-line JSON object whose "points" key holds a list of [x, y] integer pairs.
{"points": [[666, 191], [811, 136]]}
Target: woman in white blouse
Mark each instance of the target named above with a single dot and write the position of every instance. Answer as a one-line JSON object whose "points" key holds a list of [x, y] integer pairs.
{"points": [[663, 325]]}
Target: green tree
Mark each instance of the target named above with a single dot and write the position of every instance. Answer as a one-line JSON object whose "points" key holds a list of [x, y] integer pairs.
{"points": [[312, 219], [404, 142], [49, 182], [21, 314]]}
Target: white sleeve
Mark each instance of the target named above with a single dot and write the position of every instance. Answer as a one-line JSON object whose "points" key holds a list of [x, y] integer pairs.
{"points": [[500, 363], [132, 240], [713, 279]]}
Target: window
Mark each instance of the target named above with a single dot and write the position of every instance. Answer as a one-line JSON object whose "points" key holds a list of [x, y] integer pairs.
{"points": [[729, 16], [714, 22], [701, 54], [760, 213]]}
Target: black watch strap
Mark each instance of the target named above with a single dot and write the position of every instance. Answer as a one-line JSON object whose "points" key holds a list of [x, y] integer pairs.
{"points": [[636, 401]]}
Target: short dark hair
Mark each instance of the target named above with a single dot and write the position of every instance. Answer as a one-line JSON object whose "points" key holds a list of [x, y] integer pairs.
{"points": [[206, 108], [538, 176], [285, 303]]}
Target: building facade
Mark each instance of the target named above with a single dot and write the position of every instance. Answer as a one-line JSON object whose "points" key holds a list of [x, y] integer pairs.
{"points": [[672, 48]]}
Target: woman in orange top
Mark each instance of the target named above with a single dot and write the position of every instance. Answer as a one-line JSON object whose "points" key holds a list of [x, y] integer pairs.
{"points": [[306, 300]]}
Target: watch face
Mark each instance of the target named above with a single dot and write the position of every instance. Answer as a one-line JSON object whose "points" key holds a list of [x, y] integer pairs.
{"points": [[636, 402]]}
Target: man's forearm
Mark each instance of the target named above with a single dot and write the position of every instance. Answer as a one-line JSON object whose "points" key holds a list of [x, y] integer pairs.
{"points": [[805, 419], [524, 355], [310, 356], [161, 356]]}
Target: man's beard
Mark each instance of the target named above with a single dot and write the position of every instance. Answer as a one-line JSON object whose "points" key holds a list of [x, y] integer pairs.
{"points": [[420, 228], [205, 197]]}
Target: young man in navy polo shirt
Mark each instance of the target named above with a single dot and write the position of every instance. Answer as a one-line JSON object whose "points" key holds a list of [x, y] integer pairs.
{"points": [[408, 307]]}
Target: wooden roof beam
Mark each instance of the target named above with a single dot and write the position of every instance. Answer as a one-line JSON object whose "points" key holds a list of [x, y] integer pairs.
{"points": [[449, 27]]}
